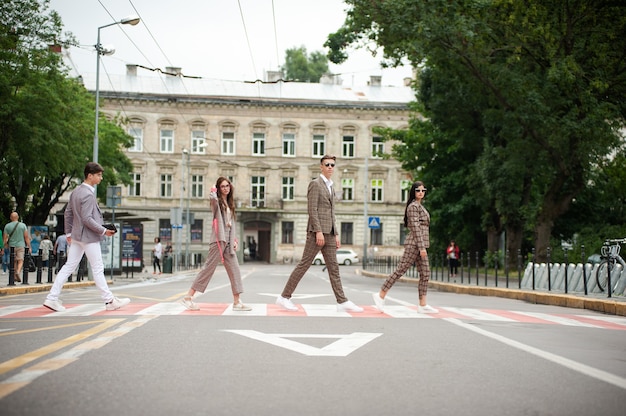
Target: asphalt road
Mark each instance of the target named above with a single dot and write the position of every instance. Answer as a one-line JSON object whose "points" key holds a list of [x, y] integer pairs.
{"points": [[479, 356]]}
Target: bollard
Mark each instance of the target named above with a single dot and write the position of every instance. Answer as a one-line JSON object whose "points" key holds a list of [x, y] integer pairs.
{"points": [[486, 266], [506, 267], [12, 266], [519, 268], [533, 260], [39, 266], [477, 263], [548, 250], [495, 265], [582, 253], [566, 266], [25, 266]]}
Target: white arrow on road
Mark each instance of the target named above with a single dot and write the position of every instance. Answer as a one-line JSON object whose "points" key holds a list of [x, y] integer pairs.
{"points": [[344, 345]]}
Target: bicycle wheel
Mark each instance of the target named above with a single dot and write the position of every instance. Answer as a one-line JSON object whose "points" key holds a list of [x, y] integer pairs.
{"points": [[602, 274]]}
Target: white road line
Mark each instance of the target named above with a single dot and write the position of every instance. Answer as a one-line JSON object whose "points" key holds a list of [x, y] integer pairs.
{"points": [[557, 319], [565, 362], [477, 314]]}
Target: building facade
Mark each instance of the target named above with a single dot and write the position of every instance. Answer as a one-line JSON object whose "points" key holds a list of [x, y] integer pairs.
{"points": [[267, 138]]}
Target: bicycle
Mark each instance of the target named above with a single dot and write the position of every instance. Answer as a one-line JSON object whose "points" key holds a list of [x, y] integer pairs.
{"points": [[610, 255]]}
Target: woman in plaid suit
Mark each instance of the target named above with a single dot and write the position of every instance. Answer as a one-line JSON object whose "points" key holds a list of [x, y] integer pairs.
{"points": [[417, 220], [223, 246]]}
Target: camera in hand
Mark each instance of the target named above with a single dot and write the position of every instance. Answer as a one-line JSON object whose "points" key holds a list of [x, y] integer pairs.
{"points": [[111, 227]]}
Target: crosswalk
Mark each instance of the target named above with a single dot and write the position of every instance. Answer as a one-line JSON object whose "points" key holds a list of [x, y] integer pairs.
{"points": [[318, 310]]}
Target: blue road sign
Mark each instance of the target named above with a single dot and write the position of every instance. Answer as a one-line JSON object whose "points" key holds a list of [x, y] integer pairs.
{"points": [[374, 222]]}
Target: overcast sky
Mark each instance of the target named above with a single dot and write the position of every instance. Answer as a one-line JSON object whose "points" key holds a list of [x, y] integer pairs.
{"points": [[210, 39]]}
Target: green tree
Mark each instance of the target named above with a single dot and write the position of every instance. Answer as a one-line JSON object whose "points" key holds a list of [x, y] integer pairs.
{"points": [[301, 67], [46, 118], [551, 78]]}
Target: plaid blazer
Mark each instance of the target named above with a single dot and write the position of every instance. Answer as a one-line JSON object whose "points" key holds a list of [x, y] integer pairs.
{"points": [[321, 208], [419, 224]]}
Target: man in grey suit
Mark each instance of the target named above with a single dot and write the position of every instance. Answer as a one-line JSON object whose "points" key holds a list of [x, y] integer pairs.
{"points": [[321, 235], [84, 231]]}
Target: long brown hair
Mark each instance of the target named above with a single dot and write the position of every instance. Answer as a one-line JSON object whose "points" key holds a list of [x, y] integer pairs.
{"points": [[410, 199], [230, 198]]}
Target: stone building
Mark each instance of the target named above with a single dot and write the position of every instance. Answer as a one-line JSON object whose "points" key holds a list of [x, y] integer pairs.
{"points": [[267, 138]]}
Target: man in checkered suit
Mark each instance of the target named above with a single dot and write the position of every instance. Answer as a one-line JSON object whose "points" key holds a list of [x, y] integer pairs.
{"points": [[321, 235]]}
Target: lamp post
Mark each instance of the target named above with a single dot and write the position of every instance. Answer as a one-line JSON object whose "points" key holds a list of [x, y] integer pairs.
{"points": [[130, 20], [365, 222], [187, 215]]}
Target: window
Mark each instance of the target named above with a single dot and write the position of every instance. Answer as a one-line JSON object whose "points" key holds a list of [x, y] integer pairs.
{"points": [[165, 231], [288, 188], [166, 185], [403, 233], [198, 142], [318, 145], [347, 233], [376, 235], [134, 189], [378, 147], [377, 190], [197, 186], [228, 143], [287, 232], [137, 134], [257, 197], [347, 146], [347, 189], [405, 188], [195, 231], [289, 144], [258, 144], [167, 141]]}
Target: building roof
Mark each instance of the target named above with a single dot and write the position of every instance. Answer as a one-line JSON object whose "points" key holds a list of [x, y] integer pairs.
{"points": [[280, 91]]}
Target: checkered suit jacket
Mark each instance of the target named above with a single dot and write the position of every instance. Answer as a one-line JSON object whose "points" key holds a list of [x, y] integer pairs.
{"points": [[419, 224], [321, 207]]}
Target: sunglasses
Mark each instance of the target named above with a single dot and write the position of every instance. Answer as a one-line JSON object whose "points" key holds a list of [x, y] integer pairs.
{"points": [[420, 190], [329, 165]]}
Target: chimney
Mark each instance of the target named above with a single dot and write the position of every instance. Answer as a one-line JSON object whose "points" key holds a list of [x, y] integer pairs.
{"points": [[375, 80], [131, 70], [173, 71]]}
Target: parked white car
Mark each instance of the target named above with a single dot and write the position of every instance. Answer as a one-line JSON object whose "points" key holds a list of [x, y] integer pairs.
{"points": [[344, 256]]}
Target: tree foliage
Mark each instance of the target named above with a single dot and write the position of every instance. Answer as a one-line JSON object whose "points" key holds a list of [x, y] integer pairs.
{"points": [[524, 101], [46, 118], [302, 67]]}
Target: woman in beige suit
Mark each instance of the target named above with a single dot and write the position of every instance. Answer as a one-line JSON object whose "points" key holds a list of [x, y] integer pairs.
{"points": [[417, 220], [223, 246]]}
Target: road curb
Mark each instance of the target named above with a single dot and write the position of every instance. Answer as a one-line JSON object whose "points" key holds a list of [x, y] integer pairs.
{"points": [[607, 306]]}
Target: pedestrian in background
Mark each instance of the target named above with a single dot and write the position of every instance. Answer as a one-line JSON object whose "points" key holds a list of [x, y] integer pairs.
{"points": [[60, 250], [417, 220], [16, 235], [84, 230], [223, 244], [157, 252], [322, 234], [453, 253], [45, 246]]}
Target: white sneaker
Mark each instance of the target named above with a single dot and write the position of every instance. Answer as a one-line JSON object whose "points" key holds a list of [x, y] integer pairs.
{"points": [[241, 307], [426, 309], [286, 304], [117, 303], [379, 302], [189, 304], [55, 305], [348, 306]]}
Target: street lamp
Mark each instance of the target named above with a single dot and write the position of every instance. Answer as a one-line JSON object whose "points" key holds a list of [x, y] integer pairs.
{"points": [[187, 216], [100, 50]]}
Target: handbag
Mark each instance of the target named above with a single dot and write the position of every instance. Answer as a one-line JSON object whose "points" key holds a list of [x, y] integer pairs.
{"points": [[30, 263]]}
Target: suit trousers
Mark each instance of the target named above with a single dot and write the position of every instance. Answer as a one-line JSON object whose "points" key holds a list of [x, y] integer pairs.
{"points": [[411, 256], [230, 264], [329, 251], [74, 255]]}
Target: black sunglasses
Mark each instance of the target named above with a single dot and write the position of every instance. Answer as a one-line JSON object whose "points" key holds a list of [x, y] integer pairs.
{"points": [[420, 190], [332, 165]]}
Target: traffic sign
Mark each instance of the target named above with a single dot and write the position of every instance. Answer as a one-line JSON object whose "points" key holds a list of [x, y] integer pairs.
{"points": [[374, 222]]}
